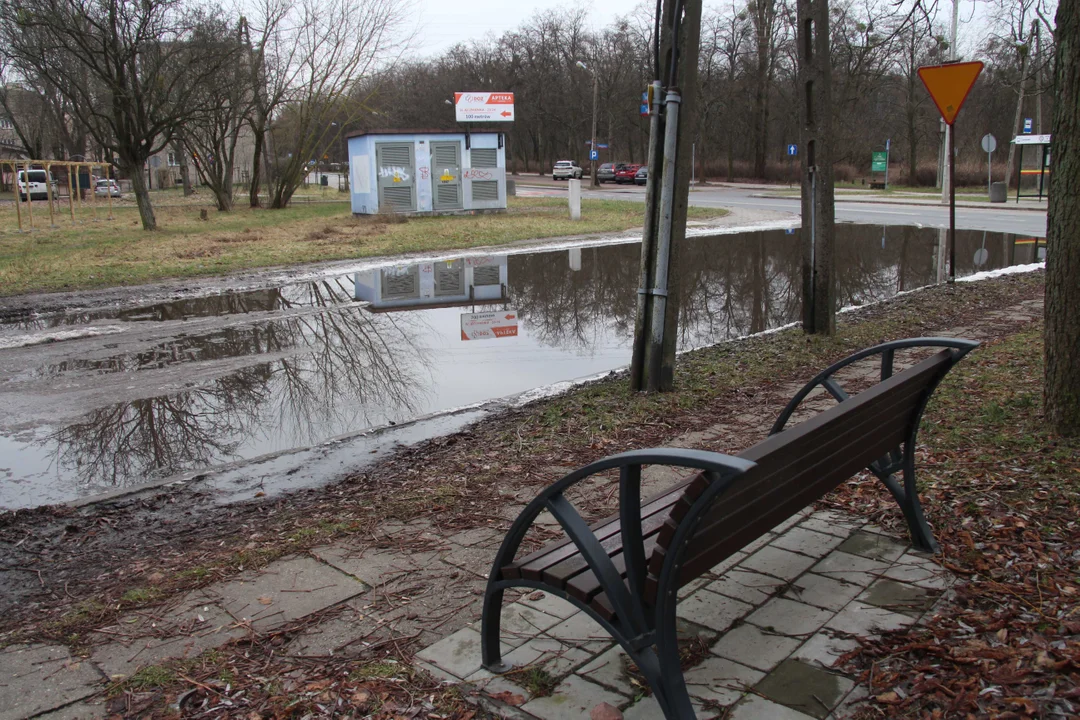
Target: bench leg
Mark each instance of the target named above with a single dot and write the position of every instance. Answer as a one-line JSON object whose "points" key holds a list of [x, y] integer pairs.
{"points": [[490, 632], [921, 536]]}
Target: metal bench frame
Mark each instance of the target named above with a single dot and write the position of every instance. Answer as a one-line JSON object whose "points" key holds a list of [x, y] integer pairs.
{"points": [[648, 634]]}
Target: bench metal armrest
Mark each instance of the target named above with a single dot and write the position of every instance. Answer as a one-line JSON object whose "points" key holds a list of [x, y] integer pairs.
{"points": [[626, 599], [958, 346]]}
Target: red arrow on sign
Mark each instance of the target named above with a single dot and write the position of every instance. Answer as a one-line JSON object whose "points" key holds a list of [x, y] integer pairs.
{"points": [[505, 113], [509, 317]]}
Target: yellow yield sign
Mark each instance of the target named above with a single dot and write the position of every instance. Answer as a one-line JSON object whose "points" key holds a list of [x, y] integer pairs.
{"points": [[949, 85]]}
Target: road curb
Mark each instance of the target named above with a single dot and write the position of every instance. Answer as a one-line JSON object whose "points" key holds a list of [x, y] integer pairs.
{"points": [[913, 203]]}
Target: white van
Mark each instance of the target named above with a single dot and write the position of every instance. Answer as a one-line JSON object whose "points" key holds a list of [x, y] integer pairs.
{"points": [[38, 190]]}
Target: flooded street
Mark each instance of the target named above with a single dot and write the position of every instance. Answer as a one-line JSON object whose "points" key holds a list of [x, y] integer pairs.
{"points": [[105, 399]]}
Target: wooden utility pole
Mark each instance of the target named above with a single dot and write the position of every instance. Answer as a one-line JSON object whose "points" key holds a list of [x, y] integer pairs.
{"points": [[815, 83], [667, 196]]}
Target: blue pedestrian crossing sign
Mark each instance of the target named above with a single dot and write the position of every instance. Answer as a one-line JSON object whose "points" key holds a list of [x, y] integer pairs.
{"points": [[594, 154], [792, 149]]}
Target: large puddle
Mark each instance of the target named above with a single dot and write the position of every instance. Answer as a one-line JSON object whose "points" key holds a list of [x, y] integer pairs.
{"points": [[111, 399]]}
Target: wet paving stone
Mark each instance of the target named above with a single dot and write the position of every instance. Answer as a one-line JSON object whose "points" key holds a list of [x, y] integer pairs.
{"points": [[805, 688]]}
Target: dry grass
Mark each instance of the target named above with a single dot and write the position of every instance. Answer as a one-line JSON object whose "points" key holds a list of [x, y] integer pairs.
{"points": [[118, 252]]}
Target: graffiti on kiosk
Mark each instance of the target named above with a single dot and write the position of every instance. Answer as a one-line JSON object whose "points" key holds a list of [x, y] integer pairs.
{"points": [[425, 173], [477, 174], [397, 173]]}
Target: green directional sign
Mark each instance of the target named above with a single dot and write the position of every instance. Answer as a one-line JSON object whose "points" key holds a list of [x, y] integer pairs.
{"points": [[878, 161]]}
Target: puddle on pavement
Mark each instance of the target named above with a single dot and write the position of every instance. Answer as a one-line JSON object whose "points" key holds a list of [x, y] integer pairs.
{"points": [[196, 383]]}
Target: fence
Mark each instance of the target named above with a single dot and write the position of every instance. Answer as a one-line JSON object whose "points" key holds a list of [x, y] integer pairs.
{"points": [[24, 202]]}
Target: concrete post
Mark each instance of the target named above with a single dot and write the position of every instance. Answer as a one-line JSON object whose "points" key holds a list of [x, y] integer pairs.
{"points": [[575, 199]]}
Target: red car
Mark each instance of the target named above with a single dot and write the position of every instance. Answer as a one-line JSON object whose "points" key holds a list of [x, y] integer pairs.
{"points": [[626, 173]]}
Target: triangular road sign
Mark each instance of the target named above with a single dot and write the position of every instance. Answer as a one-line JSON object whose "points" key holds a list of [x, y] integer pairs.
{"points": [[949, 85]]}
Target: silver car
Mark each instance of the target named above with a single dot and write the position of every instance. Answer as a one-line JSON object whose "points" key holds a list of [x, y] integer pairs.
{"points": [[566, 169]]}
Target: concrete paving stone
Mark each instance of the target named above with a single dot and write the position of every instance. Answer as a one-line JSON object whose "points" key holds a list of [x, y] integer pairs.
{"points": [[824, 592], [210, 628], [284, 591], [693, 586], [759, 543], [777, 562], [755, 707], [582, 632], [876, 547], [428, 606], [436, 672], [849, 706], [476, 559], [828, 523], [712, 610], [573, 699], [82, 710], [342, 635], [850, 568], [824, 648], [489, 684], [476, 536], [720, 681], [789, 523], [38, 678], [931, 578], [789, 617], [748, 645], [376, 566], [610, 670], [864, 620], [917, 557], [555, 656], [457, 654], [899, 597], [749, 587], [808, 542], [805, 688], [728, 563], [520, 623], [658, 478], [549, 604], [648, 709]]}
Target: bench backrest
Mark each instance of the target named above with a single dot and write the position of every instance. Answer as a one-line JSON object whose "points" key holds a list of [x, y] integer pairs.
{"points": [[796, 467]]}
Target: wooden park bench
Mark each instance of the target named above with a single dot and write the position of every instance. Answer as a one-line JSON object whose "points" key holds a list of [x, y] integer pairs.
{"points": [[625, 571]]}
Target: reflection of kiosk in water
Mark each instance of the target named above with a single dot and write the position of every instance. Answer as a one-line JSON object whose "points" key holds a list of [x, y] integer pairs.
{"points": [[440, 283]]}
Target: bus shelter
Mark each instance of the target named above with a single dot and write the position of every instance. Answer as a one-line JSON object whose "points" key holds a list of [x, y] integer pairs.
{"points": [[1032, 165]]}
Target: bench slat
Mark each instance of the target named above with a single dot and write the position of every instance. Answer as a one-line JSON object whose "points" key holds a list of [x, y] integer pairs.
{"points": [[532, 566]]}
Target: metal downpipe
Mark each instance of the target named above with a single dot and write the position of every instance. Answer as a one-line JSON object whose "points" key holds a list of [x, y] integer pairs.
{"points": [[663, 238], [648, 240]]}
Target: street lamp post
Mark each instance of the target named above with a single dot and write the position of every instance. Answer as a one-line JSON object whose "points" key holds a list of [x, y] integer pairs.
{"points": [[593, 182]]}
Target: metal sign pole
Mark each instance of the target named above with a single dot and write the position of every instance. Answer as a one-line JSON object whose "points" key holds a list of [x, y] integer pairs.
{"points": [[29, 201], [888, 142], [952, 207], [18, 205]]}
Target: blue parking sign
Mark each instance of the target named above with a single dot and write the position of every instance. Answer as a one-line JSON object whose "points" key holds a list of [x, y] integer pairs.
{"points": [[594, 155]]}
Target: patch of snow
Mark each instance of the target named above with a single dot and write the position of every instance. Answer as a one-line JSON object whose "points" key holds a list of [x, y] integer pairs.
{"points": [[17, 341]]}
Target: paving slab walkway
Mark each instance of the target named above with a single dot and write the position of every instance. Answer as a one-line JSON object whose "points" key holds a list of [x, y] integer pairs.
{"points": [[773, 618]]}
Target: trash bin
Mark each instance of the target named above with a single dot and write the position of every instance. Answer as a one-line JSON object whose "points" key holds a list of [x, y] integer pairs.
{"points": [[324, 180], [997, 192], [511, 188]]}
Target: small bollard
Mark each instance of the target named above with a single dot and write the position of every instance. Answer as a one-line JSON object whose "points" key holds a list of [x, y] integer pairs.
{"points": [[575, 199]]}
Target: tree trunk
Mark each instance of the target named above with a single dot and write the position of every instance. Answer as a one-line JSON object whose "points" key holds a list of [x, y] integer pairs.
{"points": [[142, 195], [256, 166], [1061, 394], [180, 151]]}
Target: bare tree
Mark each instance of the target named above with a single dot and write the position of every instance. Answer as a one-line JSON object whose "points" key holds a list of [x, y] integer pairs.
{"points": [[307, 57], [126, 69]]}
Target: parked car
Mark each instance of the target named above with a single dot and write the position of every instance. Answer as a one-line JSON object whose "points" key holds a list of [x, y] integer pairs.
{"points": [[642, 175], [606, 172], [566, 169], [104, 188], [35, 183], [626, 173]]}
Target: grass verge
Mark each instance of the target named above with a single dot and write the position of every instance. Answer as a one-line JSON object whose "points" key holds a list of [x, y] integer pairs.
{"points": [[119, 252]]}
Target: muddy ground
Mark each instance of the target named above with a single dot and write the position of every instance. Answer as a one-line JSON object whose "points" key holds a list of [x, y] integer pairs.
{"points": [[64, 569]]}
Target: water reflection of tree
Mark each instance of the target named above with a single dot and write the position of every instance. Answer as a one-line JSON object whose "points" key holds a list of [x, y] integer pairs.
{"points": [[355, 368]]}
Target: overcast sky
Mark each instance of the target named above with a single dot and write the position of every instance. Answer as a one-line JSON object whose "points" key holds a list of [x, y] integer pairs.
{"points": [[446, 22]]}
